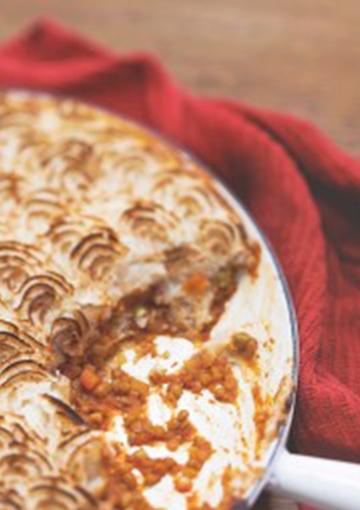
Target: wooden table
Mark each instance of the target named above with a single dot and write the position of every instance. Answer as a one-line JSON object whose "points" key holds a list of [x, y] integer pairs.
{"points": [[300, 56]]}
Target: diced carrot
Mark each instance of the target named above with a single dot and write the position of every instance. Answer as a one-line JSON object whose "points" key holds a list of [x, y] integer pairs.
{"points": [[196, 284], [89, 379], [183, 484]]}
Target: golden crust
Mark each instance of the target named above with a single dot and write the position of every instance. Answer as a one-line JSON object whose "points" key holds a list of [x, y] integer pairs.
{"points": [[93, 210]]}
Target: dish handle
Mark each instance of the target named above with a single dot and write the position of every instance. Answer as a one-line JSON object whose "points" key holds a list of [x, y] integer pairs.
{"points": [[322, 483]]}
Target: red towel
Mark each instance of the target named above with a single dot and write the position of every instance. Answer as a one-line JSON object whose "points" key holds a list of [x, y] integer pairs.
{"points": [[302, 189]]}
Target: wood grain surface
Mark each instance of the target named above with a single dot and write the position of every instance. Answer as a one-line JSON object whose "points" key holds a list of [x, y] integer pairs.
{"points": [[299, 56]]}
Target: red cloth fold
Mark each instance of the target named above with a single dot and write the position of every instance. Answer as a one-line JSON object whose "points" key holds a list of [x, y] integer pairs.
{"points": [[302, 189]]}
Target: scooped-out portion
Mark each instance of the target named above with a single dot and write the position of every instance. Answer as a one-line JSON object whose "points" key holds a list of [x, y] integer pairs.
{"points": [[140, 360]]}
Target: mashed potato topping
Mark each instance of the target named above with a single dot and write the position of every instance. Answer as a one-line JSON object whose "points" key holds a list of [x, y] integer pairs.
{"points": [[138, 324]]}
